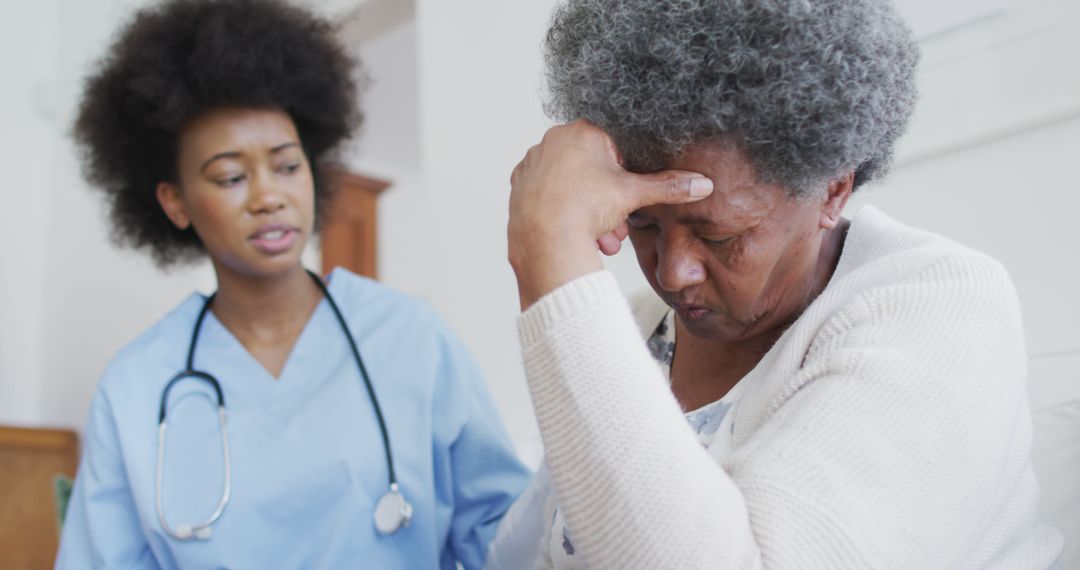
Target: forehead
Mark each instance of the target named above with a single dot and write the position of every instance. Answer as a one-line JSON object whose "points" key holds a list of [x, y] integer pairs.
{"points": [[739, 197], [234, 129]]}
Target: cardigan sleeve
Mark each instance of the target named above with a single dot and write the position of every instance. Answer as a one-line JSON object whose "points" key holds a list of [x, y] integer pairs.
{"points": [[907, 415], [633, 483]]}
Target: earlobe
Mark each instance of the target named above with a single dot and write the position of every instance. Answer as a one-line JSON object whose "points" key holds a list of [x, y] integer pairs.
{"points": [[836, 198], [168, 196], [830, 217]]}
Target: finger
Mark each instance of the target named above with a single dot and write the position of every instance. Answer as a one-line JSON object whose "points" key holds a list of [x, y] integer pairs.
{"points": [[621, 231], [609, 143], [668, 187], [516, 173], [609, 243]]}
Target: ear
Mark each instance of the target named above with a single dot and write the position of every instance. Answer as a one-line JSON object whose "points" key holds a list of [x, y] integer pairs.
{"points": [[168, 196], [836, 197]]}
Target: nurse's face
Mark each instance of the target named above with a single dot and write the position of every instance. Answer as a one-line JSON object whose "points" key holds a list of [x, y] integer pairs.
{"points": [[246, 187]]}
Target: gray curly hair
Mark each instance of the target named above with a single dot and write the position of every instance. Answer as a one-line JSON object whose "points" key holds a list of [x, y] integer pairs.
{"points": [[809, 89]]}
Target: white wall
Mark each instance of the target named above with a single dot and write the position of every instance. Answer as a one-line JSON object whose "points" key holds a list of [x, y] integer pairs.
{"points": [[28, 58], [479, 70], [73, 298]]}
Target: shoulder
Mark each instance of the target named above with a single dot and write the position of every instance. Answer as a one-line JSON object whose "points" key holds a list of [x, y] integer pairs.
{"points": [[370, 300], [900, 290], [409, 349], [162, 345], [879, 244], [351, 288], [891, 266], [130, 386], [373, 309], [932, 323]]}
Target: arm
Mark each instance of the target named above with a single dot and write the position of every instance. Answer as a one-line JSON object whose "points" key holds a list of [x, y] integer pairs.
{"points": [[896, 432], [486, 473], [102, 527], [633, 483]]}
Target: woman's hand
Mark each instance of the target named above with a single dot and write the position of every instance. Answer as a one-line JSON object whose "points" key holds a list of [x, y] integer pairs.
{"points": [[569, 196]]}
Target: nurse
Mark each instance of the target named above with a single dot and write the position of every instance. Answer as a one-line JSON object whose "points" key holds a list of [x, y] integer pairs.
{"points": [[205, 128]]}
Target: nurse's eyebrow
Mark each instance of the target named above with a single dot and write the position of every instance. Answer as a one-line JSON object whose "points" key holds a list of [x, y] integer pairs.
{"points": [[283, 146], [220, 155], [236, 154]]}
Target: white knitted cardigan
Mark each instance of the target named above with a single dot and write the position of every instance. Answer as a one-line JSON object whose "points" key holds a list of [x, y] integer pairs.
{"points": [[887, 428]]}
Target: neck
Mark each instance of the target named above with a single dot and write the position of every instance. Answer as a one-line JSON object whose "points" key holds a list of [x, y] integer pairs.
{"points": [[817, 277], [264, 309], [704, 370], [828, 258]]}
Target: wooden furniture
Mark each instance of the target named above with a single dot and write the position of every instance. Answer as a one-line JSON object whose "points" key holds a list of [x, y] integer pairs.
{"points": [[29, 461], [349, 233]]}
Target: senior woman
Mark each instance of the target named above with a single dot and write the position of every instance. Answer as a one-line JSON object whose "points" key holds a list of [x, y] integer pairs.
{"points": [[813, 392]]}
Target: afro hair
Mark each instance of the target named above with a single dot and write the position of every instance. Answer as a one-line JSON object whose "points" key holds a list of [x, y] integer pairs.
{"points": [[177, 60]]}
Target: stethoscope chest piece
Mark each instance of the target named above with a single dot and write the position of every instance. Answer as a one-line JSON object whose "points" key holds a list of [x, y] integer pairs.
{"points": [[392, 512]]}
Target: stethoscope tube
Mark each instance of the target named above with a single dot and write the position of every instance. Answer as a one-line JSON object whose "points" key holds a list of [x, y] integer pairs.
{"points": [[203, 530], [364, 375], [391, 512]]}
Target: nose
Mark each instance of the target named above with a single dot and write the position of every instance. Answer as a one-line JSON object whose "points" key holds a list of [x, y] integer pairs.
{"points": [[678, 265], [266, 195]]}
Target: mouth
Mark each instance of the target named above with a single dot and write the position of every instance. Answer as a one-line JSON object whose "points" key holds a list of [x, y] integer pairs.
{"points": [[691, 313], [273, 239]]}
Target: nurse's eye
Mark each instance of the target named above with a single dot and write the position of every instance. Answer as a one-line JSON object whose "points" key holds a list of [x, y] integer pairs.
{"points": [[230, 181], [290, 168]]}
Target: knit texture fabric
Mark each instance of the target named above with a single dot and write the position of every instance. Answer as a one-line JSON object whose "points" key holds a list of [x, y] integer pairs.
{"points": [[888, 427]]}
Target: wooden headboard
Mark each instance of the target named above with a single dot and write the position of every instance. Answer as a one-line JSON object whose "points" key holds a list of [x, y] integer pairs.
{"points": [[29, 461]]}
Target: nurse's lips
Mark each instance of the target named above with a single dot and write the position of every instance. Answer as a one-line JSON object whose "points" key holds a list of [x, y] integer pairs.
{"points": [[274, 238], [691, 313]]}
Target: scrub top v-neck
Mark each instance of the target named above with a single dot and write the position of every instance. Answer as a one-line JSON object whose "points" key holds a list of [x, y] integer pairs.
{"points": [[303, 359], [307, 457]]}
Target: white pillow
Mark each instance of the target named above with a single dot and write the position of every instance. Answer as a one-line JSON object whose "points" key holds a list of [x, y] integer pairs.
{"points": [[1056, 455]]}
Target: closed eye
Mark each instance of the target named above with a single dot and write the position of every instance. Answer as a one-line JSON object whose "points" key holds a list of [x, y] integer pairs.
{"points": [[291, 168], [230, 181], [639, 222], [641, 226], [718, 242]]}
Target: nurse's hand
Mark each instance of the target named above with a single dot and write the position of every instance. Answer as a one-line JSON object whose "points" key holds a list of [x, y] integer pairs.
{"points": [[570, 197]]}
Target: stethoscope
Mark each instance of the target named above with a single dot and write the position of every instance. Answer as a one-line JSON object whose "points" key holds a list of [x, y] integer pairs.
{"points": [[392, 512]]}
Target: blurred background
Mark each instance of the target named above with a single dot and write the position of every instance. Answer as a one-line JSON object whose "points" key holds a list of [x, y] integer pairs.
{"points": [[990, 160]]}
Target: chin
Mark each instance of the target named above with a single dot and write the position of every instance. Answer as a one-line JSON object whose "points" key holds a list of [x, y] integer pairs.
{"points": [[263, 267], [718, 328], [278, 267]]}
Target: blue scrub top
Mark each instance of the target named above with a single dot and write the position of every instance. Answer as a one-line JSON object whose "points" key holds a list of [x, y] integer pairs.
{"points": [[307, 458]]}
